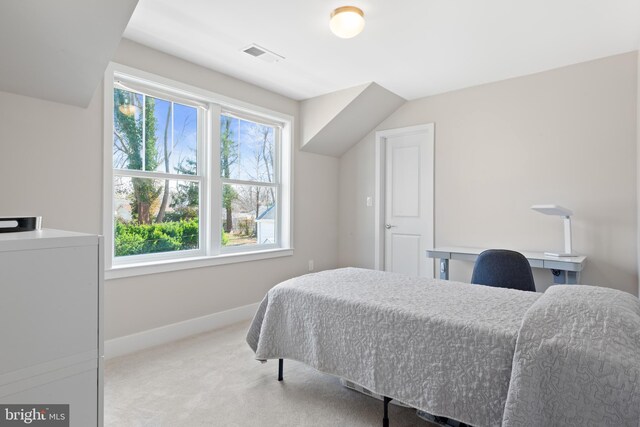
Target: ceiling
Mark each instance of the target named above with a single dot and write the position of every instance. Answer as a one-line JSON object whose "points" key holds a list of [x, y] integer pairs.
{"points": [[58, 50], [413, 48]]}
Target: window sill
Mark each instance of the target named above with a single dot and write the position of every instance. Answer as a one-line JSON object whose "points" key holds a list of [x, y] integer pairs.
{"points": [[140, 269]]}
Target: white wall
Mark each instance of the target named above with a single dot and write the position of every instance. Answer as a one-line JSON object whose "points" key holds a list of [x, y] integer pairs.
{"points": [[566, 136], [51, 165], [50, 161], [638, 156]]}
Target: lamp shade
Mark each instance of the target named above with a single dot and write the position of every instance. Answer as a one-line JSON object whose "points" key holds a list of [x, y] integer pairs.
{"points": [[563, 212], [347, 21], [552, 210]]}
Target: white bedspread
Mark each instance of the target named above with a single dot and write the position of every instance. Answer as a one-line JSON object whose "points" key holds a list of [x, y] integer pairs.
{"points": [[577, 361], [444, 347], [448, 348]]}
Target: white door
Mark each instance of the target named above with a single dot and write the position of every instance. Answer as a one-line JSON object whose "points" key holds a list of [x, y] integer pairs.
{"points": [[408, 219]]}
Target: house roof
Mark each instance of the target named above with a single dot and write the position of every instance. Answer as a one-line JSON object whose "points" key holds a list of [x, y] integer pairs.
{"points": [[270, 213]]}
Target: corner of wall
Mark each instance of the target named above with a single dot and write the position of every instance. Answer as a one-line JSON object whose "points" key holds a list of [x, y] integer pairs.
{"points": [[638, 162]]}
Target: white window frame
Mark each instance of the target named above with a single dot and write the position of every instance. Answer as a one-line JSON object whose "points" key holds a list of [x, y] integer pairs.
{"points": [[211, 105], [219, 181]]}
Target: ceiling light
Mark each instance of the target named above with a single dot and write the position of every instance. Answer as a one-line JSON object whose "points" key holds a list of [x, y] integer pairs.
{"points": [[127, 106], [347, 21], [127, 109]]}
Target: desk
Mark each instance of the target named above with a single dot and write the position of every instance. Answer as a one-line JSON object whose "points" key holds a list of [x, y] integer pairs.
{"points": [[565, 270]]}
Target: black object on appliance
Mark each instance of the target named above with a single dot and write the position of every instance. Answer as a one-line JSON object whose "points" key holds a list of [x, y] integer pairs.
{"points": [[14, 224]]}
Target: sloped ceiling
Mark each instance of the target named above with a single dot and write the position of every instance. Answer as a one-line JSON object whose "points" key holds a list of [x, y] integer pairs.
{"points": [[58, 50], [414, 48], [333, 123]]}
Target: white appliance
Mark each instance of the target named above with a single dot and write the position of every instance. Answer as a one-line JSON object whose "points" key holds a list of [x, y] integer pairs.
{"points": [[51, 345]]}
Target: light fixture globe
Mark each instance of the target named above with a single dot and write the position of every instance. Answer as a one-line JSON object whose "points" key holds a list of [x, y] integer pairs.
{"points": [[127, 109], [347, 21]]}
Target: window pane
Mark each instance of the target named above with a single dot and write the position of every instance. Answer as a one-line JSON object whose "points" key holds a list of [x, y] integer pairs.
{"points": [[169, 131], [148, 222], [248, 215], [185, 139], [127, 130], [171, 137], [247, 150]]}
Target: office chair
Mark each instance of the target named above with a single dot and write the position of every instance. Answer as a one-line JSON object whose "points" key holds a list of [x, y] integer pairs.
{"points": [[502, 268]]}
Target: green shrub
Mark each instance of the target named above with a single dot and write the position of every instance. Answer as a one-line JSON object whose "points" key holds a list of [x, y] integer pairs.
{"points": [[134, 239], [247, 227]]}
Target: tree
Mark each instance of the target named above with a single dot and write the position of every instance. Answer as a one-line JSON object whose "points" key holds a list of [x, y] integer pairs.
{"points": [[186, 200], [128, 141], [262, 142], [228, 157], [167, 156], [266, 144]]}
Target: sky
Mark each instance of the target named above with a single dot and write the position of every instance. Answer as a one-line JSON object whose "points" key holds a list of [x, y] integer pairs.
{"points": [[249, 138], [182, 134]]}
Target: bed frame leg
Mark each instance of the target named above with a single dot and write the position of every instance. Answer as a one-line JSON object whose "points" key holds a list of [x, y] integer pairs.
{"points": [[385, 418], [280, 368]]}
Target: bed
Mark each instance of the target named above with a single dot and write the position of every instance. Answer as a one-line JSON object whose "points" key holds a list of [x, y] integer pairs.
{"points": [[480, 355]]}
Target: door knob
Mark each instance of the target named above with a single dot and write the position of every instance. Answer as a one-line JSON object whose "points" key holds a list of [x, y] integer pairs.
{"points": [[389, 226]]}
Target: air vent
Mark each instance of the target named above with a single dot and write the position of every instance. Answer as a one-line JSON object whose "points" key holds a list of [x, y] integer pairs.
{"points": [[254, 51], [262, 53]]}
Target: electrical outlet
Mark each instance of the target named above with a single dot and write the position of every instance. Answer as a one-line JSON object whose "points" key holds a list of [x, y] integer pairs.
{"points": [[311, 267]]}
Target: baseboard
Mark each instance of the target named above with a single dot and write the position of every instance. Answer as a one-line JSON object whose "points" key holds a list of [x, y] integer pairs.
{"points": [[164, 334]]}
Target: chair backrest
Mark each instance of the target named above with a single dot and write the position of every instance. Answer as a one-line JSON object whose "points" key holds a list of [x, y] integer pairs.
{"points": [[502, 268]]}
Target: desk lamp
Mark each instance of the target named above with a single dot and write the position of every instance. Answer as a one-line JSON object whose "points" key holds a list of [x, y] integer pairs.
{"points": [[558, 211]]}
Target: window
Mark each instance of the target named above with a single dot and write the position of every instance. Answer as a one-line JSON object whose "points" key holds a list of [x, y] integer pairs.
{"points": [[249, 181], [191, 176], [156, 181]]}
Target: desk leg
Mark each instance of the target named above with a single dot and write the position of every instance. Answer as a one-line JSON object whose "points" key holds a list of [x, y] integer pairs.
{"points": [[444, 269], [561, 277]]}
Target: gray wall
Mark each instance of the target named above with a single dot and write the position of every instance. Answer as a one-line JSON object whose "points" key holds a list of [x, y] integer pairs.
{"points": [[51, 165], [565, 136]]}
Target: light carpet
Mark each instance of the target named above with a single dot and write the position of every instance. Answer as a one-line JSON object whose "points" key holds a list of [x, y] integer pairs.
{"points": [[212, 379]]}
